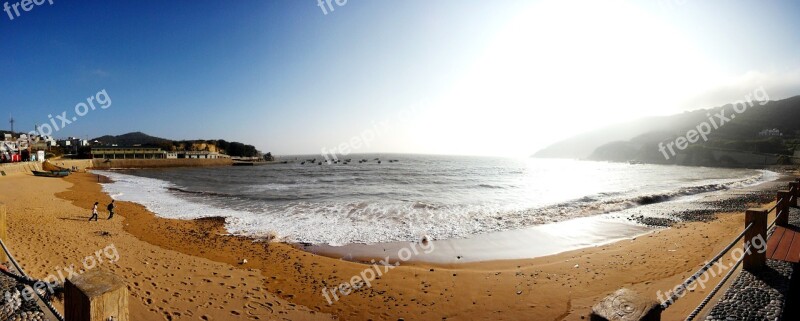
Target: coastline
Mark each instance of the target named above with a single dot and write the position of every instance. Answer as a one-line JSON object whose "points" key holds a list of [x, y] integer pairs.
{"points": [[50, 235], [532, 242], [503, 289]]}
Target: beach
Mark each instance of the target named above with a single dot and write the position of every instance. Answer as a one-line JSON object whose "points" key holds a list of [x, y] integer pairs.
{"points": [[192, 269]]}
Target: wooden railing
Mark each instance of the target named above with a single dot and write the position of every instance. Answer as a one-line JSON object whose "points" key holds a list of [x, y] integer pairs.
{"points": [[628, 305]]}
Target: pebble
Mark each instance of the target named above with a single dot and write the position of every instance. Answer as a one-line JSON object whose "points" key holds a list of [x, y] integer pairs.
{"points": [[760, 296], [14, 307]]}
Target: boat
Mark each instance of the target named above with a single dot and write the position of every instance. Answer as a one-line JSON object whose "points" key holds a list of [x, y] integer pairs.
{"points": [[251, 163], [61, 173], [47, 166]]}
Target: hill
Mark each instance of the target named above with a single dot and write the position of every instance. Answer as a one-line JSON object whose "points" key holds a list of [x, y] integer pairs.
{"points": [[131, 139], [144, 140], [642, 140]]}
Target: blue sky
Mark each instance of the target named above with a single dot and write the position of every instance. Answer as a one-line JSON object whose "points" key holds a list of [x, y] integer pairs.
{"points": [[473, 77]]}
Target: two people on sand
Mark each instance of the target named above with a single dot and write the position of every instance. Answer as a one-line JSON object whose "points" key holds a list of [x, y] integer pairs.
{"points": [[110, 208]]}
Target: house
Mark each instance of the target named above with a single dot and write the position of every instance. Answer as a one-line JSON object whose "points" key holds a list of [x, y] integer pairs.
{"points": [[201, 155], [128, 153], [11, 150]]}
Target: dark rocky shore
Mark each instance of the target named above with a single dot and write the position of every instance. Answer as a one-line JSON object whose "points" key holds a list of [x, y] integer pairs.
{"points": [[738, 203], [13, 305]]}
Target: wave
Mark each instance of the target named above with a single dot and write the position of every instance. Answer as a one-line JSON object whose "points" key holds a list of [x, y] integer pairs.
{"points": [[600, 204], [491, 186], [336, 220], [181, 190]]}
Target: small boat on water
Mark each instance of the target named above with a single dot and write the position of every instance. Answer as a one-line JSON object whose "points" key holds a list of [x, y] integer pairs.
{"points": [[59, 173]]}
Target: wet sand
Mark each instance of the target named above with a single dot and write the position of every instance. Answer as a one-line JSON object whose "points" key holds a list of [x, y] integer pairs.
{"points": [[532, 242], [183, 270]]}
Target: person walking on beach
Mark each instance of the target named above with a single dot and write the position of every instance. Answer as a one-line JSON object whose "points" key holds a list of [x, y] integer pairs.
{"points": [[111, 209], [94, 212]]}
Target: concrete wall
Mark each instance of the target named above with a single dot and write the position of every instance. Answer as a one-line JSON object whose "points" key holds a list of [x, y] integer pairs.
{"points": [[157, 163], [19, 168], [81, 164]]}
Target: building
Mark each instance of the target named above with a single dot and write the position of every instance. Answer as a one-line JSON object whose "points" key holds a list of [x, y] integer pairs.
{"points": [[14, 149], [128, 153], [25, 147], [201, 155], [72, 142]]}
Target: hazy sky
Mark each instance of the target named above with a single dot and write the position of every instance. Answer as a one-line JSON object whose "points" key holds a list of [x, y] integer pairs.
{"points": [[444, 77]]}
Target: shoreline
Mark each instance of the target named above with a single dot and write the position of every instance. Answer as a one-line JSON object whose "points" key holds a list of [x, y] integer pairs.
{"points": [[549, 239], [574, 280], [542, 239]]}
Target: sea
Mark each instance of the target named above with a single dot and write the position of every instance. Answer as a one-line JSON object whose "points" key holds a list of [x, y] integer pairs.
{"points": [[390, 197]]}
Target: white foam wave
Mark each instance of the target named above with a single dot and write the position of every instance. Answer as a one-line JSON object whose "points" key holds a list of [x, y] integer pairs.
{"points": [[338, 223]]}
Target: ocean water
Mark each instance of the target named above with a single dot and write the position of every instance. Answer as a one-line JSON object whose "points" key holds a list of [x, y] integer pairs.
{"points": [[444, 197]]}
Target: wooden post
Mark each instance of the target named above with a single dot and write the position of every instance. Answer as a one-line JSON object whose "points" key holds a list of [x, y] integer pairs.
{"points": [[753, 260], [783, 207], [3, 231], [626, 305], [796, 191], [96, 296]]}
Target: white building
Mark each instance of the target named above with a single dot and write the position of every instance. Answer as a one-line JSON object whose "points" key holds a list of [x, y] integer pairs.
{"points": [[201, 154]]}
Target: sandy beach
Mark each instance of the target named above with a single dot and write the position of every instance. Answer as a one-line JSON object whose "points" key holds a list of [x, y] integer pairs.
{"points": [[189, 270]]}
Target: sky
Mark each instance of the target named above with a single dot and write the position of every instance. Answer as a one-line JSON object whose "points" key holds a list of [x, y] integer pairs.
{"points": [[465, 77]]}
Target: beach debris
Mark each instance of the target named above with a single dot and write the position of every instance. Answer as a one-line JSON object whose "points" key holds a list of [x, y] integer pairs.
{"points": [[425, 240], [576, 266], [243, 262]]}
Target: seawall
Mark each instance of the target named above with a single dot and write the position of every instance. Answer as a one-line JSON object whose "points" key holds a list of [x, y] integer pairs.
{"points": [[9, 169], [83, 164], [157, 163]]}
